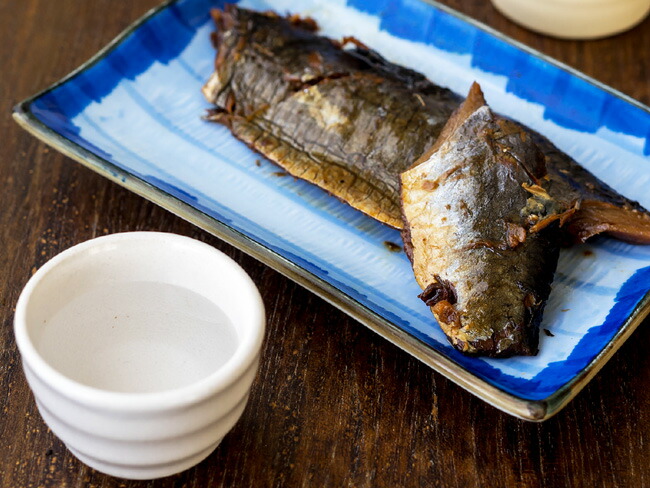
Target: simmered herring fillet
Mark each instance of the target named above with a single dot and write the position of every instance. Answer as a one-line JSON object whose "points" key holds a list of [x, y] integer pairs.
{"points": [[470, 207], [350, 122], [344, 119]]}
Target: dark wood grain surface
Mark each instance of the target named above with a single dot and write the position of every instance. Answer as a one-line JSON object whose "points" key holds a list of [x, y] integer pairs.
{"points": [[333, 404]]}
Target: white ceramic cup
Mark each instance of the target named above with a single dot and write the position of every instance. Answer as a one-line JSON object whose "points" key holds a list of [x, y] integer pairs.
{"points": [[140, 349], [575, 19]]}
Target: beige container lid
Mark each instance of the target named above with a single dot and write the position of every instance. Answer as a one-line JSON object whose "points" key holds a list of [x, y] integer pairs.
{"points": [[575, 19]]}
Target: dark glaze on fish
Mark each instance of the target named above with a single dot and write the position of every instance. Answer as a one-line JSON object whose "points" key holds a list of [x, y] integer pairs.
{"points": [[598, 207], [469, 205], [344, 119], [351, 122]]}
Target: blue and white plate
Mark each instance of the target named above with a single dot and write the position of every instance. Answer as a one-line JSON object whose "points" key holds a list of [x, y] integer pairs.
{"points": [[133, 114]]}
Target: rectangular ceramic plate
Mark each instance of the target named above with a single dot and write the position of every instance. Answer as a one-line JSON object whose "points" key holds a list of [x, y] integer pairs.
{"points": [[133, 114]]}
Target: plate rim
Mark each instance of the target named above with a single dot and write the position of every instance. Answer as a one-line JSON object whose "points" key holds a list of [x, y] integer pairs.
{"points": [[526, 409]]}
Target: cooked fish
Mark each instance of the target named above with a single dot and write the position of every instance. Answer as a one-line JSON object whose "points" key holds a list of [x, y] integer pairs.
{"points": [[352, 122], [344, 119], [472, 209], [598, 208]]}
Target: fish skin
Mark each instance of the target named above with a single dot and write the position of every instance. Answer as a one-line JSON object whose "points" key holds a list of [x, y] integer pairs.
{"points": [[350, 122], [315, 109], [468, 212], [599, 208]]}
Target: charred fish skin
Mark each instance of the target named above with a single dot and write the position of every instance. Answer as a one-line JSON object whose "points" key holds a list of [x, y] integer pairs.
{"points": [[468, 216], [350, 122], [344, 119]]}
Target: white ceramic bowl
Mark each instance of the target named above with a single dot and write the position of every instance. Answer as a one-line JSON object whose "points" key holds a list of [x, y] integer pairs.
{"points": [[575, 19], [140, 349]]}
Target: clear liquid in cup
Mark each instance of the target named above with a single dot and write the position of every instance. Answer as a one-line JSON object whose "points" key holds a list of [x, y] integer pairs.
{"points": [[138, 337]]}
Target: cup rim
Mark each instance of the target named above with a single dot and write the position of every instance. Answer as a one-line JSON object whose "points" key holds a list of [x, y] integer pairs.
{"points": [[585, 3], [236, 366]]}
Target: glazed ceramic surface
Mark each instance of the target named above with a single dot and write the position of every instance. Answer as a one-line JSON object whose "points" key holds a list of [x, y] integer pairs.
{"points": [[575, 19], [133, 114], [140, 349]]}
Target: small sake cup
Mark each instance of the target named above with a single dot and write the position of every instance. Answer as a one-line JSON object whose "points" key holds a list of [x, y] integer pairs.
{"points": [[140, 349], [575, 19]]}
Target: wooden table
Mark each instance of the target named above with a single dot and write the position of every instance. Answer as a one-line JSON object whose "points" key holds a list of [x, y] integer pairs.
{"points": [[333, 404]]}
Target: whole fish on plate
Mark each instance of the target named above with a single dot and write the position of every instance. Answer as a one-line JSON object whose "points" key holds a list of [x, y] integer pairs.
{"points": [[351, 122], [346, 120], [337, 114], [472, 209]]}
